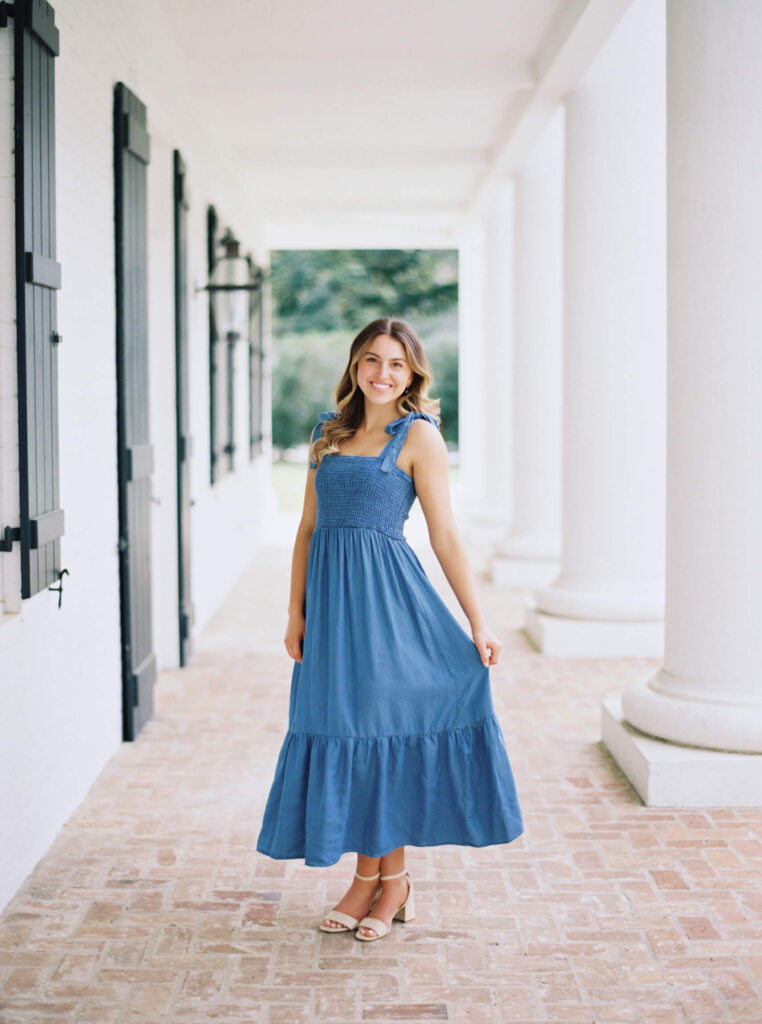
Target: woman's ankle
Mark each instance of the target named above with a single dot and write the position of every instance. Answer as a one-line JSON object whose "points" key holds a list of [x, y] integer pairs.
{"points": [[368, 866]]}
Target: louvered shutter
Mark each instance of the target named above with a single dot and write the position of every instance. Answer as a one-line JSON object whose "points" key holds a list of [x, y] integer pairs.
{"points": [[184, 440], [255, 364], [135, 451], [38, 278]]}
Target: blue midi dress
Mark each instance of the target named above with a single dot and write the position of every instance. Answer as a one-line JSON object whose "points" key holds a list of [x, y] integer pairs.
{"points": [[392, 737]]}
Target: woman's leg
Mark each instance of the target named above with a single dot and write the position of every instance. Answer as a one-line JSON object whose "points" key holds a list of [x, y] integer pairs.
{"points": [[358, 898], [393, 892]]}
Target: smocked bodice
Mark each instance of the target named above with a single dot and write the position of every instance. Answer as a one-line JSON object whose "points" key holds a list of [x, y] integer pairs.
{"points": [[368, 491]]}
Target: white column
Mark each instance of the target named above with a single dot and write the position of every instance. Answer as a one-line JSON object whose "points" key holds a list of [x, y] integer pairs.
{"points": [[528, 554], [492, 514], [709, 692], [608, 599], [471, 492], [468, 493]]}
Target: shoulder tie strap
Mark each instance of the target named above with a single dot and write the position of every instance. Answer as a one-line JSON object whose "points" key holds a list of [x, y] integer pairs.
{"points": [[399, 429], [318, 430]]}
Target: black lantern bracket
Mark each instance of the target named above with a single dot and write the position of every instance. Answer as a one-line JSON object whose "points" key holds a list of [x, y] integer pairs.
{"points": [[258, 274]]}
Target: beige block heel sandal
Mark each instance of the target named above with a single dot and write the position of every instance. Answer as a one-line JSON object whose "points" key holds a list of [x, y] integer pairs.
{"points": [[349, 922], [405, 913]]}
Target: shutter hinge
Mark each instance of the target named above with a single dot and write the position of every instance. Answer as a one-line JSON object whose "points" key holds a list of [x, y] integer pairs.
{"points": [[10, 534], [59, 588], [6, 11]]}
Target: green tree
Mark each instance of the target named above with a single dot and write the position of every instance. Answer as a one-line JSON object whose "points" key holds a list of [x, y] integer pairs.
{"points": [[321, 299], [334, 289]]}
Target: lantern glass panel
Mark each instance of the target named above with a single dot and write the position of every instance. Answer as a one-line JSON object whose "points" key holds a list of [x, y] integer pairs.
{"points": [[231, 307]]}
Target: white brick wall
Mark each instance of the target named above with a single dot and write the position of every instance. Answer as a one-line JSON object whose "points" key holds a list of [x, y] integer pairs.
{"points": [[61, 668]]}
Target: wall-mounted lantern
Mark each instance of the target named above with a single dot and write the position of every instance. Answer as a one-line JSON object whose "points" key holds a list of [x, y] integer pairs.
{"points": [[234, 277]]}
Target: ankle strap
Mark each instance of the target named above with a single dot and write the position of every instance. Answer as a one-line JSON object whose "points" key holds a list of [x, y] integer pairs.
{"points": [[367, 878], [398, 875]]}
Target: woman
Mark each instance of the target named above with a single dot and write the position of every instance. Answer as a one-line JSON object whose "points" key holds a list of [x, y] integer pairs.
{"points": [[392, 736]]}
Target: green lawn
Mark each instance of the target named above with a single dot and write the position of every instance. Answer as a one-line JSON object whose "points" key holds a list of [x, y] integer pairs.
{"points": [[289, 479]]}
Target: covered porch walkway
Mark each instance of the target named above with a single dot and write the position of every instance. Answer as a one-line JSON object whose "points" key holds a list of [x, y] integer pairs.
{"points": [[152, 904]]}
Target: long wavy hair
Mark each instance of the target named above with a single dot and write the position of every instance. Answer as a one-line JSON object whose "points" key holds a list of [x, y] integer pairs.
{"points": [[350, 401]]}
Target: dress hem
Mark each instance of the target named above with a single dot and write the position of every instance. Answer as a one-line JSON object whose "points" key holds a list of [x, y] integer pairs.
{"points": [[313, 863], [323, 787]]}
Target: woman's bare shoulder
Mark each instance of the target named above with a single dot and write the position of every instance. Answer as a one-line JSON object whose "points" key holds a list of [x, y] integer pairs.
{"points": [[423, 445], [424, 434]]}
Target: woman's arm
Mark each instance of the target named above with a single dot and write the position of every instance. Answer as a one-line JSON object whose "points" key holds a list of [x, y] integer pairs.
{"points": [[431, 475], [294, 637]]}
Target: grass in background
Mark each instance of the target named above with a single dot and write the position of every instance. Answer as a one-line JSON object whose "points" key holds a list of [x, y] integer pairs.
{"points": [[289, 480]]}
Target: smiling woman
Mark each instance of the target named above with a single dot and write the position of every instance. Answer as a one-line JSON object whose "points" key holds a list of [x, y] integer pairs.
{"points": [[383, 371], [319, 296], [392, 736]]}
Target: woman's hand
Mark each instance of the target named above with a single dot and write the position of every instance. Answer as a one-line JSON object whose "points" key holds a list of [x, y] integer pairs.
{"points": [[294, 637], [487, 644]]}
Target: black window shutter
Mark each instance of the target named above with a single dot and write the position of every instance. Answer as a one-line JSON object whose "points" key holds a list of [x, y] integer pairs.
{"points": [[255, 362], [221, 375], [182, 409], [215, 371], [135, 454], [38, 278]]}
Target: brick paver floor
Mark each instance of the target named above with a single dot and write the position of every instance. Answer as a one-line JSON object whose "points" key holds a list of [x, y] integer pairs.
{"points": [[152, 904]]}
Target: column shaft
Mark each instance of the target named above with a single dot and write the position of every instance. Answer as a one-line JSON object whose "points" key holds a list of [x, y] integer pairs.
{"points": [[528, 554], [614, 352], [709, 692]]}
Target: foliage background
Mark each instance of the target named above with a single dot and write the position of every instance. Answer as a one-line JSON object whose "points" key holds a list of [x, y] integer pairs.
{"points": [[322, 298]]}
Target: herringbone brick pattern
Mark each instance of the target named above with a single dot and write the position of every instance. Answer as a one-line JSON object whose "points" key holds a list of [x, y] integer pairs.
{"points": [[152, 904]]}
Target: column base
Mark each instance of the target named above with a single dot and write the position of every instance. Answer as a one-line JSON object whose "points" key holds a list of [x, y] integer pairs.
{"points": [[522, 561], [681, 710], [672, 775], [591, 638], [487, 526], [523, 572], [481, 527]]}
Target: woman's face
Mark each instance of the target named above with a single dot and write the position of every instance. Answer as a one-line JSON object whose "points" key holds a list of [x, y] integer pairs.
{"points": [[383, 372]]}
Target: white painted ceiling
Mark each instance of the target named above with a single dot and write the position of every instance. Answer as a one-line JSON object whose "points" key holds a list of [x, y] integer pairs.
{"points": [[361, 112]]}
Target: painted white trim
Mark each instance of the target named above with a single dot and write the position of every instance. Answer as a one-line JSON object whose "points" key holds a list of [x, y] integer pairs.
{"points": [[571, 44]]}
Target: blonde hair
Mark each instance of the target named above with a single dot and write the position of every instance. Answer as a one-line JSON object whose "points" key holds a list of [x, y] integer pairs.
{"points": [[350, 401]]}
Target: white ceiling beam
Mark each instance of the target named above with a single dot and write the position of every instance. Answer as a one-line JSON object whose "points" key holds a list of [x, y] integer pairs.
{"points": [[364, 236], [569, 48], [369, 209], [338, 73], [368, 157]]}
